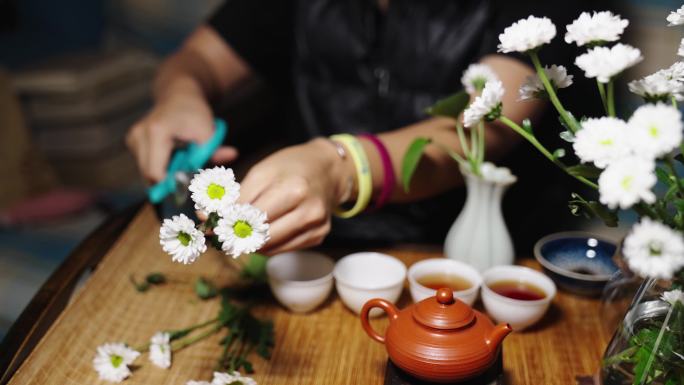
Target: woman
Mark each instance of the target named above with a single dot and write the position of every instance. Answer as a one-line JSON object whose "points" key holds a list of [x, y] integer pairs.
{"points": [[345, 67]]}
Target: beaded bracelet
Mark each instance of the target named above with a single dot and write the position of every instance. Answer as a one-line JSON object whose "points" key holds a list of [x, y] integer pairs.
{"points": [[389, 179], [363, 174]]}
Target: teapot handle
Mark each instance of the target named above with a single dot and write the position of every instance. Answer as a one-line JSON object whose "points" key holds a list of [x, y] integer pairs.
{"points": [[385, 305]]}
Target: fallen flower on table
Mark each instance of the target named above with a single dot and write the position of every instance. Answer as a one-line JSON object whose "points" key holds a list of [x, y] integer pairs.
{"points": [[112, 361], [232, 379], [160, 350]]}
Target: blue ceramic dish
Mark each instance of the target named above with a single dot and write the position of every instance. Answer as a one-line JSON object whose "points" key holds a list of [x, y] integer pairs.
{"points": [[578, 262]]}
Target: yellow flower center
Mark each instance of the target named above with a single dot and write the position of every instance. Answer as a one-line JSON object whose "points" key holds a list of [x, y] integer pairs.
{"points": [[116, 360], [627, 182], [215, 191], [606, 142], [653, 131], [184, 238], [242, 229]]}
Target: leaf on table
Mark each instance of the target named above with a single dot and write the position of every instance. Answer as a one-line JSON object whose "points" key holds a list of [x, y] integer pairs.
{"points": [[205, 289], [139, 287], [155, 278], [411, 160], [451, 106]]}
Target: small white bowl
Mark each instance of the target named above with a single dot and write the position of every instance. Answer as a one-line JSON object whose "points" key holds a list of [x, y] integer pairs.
{"points": [[360, 277], [300, 280], [444, 266], [520, 314]]}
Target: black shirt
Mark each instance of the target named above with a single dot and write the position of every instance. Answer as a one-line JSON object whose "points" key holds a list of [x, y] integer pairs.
{"points": [[347, 67]]}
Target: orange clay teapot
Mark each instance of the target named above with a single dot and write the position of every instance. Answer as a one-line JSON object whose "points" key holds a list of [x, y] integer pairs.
{"points": [[439, 339]]}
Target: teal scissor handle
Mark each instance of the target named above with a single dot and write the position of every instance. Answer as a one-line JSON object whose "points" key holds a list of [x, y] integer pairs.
{"points": [[188, 159]]}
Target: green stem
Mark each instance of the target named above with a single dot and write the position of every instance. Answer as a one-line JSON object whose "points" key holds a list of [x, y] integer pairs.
{"points": [[602, 92], [571, 122], [191, 340], [530, 138], [481, 137], [611, 98], [463, 140], [674, 102], [453, 154]]}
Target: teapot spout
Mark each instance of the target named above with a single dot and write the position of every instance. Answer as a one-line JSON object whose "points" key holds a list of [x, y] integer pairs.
{"points": [[497, 335]]}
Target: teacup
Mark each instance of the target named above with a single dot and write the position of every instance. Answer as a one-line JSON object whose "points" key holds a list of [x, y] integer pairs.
{"points": [[360, 277], [300, 280], [517, 295], [444, 269]]}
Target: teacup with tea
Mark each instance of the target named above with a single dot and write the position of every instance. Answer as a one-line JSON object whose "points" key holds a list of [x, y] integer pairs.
{"points": [[429, 275], [517, 295]]}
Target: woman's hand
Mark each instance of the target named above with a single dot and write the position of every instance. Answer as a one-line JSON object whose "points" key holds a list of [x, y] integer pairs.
{"points": [[182, 117], [297, 187]]}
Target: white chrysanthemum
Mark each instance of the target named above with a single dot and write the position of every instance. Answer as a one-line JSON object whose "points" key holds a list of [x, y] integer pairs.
{"points": [[112, 360], [597, 28], [675, 71], [533, 87], [657, 87], [486, 106], [602, 141], [232, 379], [627, 181], [527, 34], [673, 296], [160, 350], [193, 382], [179, 237], [243, 229], [654, 250], [655, 130], [214, 190], [676, 17], [476, 76], [603, 63]]}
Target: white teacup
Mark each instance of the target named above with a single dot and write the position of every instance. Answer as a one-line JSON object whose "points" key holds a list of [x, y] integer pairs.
{"points": [[520, 314], [300, 280], [360, 277], [444, 267]]}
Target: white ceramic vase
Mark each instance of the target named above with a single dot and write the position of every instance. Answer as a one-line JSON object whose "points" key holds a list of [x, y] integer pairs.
{"points": [[479, 235]]}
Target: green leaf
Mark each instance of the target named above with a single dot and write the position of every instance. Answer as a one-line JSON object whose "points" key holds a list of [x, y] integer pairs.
{"points": [[139, 287], [411, 160], [567, 136], [205, 289], [255, 268], [451, 106], [592, 209], [559, 153], [679, 204], [664, 177], [527, 126], [584, 170], [155, 278]]}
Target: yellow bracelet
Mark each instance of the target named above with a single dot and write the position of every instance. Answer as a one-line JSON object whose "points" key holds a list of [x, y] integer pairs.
{"points": [[363, 174]]}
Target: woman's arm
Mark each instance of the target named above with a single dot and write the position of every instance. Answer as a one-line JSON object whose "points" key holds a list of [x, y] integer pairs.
{"points": [[299, 186]]}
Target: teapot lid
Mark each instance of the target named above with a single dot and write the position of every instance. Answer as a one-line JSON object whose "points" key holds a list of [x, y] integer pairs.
{"points": [[443, 311]]}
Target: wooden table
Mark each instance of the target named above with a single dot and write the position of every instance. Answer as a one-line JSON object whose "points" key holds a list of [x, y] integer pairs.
{"points": [[327, 346]]}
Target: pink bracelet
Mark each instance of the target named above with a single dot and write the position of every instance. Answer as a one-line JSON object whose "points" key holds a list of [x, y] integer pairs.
{"points": [[389, 179]]}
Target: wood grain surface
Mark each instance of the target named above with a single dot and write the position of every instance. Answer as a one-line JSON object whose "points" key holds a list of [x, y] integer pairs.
{"points": [[327, 346]]}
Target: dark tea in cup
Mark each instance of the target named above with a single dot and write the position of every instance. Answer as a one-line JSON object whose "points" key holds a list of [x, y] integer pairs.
{"points": [[437, 281], [519, 290]]}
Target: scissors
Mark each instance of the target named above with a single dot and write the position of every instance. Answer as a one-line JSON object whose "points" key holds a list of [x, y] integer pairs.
{"points": [[183, 164]]}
